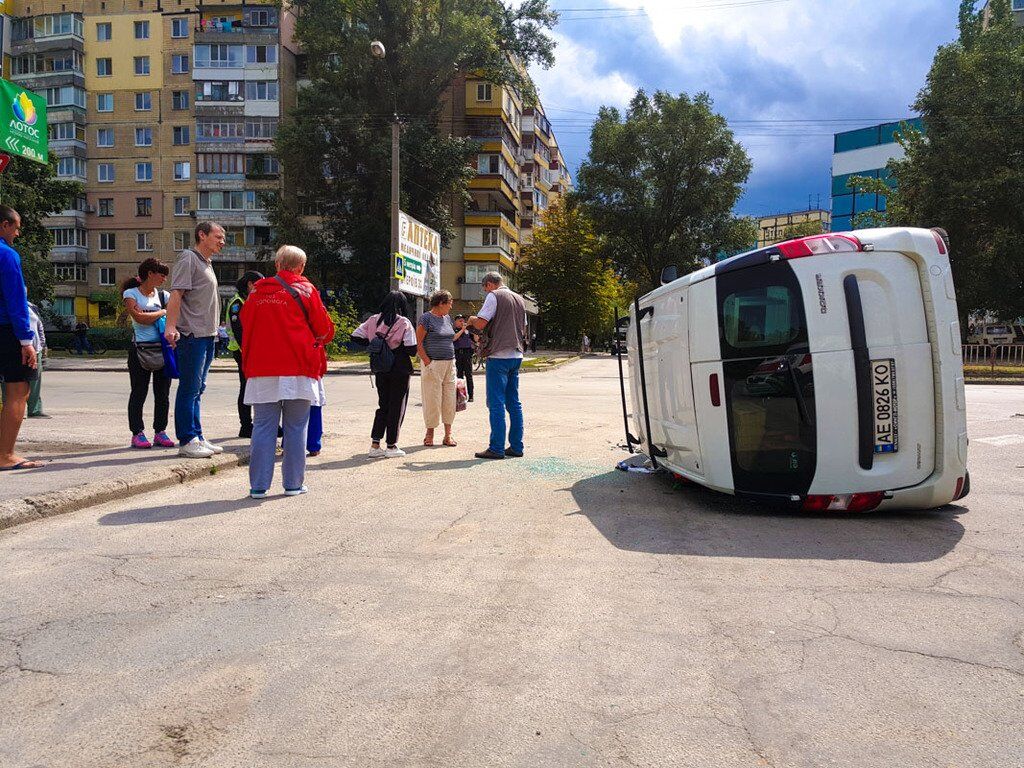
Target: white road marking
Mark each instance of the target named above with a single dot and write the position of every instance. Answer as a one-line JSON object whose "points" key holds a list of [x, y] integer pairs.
{"points": [[1001, 440]]}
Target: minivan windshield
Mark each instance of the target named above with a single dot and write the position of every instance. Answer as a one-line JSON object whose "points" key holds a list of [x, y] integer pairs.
{"points": [[769, 380]]}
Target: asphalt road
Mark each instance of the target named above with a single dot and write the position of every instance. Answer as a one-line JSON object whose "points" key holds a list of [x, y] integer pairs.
{"points": [[547, 611]]}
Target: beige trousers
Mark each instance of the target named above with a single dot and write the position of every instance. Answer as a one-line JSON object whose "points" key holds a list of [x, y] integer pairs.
{"points": [[437, 383]]}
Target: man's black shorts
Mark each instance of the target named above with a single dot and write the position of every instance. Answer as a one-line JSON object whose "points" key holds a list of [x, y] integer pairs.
{"points": [[12, 370]]}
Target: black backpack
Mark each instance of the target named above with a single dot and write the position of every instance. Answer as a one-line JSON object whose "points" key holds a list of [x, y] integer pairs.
{"points": [[382, 357]]}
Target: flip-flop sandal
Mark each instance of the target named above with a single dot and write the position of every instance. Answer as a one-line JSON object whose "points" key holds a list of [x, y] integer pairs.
{"points": [[450, 443], [429, 443], [27, 464]]}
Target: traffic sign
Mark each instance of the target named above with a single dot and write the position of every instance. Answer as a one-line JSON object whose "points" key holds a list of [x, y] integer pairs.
{"points": [[23, 123]]}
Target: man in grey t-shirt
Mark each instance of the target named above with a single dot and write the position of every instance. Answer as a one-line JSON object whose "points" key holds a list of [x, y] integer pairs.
{"points": [[193, 314]]}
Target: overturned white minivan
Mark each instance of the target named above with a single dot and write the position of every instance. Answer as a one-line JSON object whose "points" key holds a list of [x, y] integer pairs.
{"points": [[823, 373]]}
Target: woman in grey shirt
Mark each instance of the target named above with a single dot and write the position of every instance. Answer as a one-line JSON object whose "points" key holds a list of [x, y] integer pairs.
{"points": [[435, 339]]}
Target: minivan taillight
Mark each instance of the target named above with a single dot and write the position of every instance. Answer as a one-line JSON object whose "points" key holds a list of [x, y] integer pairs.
{"points": [[843, 502], [817, 245]]}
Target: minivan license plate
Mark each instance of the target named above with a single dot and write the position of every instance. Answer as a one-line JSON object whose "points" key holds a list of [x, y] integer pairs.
{"points": [[886, 405]]}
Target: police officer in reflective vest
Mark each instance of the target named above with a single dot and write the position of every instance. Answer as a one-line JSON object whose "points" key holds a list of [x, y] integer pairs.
{"points": [[233, 321]]}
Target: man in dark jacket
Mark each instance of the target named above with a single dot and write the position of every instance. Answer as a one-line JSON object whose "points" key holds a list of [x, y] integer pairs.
{"points": [[233, 322]]}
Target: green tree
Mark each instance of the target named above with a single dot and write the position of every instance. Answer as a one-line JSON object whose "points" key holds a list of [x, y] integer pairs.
{"points": [[566, 270], [661, 184], [802, 229], [335, 148], [965, 173], [34, 191]]}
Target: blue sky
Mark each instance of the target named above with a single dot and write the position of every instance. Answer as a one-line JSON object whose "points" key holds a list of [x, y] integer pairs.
{"points": [[786, 73]]}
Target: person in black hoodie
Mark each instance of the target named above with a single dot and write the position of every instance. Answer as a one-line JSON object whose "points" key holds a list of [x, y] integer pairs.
{"points": [[233, 322], [395, 327]]}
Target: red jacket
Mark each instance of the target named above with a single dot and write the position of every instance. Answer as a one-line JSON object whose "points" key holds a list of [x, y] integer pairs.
{"points": [[276, 339]]}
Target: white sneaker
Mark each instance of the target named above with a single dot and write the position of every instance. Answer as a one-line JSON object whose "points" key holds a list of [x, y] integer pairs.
{"points": [[194, 449], [393, 453], [376, 453], [211, 447], [296, 491]]}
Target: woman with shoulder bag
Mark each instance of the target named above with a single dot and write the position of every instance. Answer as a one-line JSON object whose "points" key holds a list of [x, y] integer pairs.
{"points": [[146, 304], [391, 326]]}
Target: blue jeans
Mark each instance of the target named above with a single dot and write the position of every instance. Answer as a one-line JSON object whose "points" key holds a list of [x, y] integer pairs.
{"points": [[315, 430], [194, 358], [503, 395], [293, 416]]}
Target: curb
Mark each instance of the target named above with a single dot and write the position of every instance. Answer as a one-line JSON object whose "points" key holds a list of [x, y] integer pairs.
{"points": [[17, 511]]}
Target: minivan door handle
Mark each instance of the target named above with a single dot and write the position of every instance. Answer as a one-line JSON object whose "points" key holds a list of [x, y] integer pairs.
{"points": [[716, 397], [862, 373]]}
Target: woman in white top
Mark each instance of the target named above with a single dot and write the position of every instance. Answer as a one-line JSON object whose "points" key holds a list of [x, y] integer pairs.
{"points": [[145, 303]]}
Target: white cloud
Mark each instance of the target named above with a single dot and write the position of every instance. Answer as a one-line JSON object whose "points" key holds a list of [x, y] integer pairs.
{"points": [[574, 82]]}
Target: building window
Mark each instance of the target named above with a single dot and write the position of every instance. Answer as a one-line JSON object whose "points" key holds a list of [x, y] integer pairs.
{"points": [[143, 171], [105, 172], [219, 90], [475, 272], [103, 31], [104, 68], [179, 28], [143, 137], [181, 240], [179, 100], [64, 96], [104, 102], [262, 165], [257, 128], [219, 56], [262, 19], [489, 236], [179, 64], [142, 30], [181, 135], [108, 275], [64, 305], [104, 137], [65, 132], [69, 236], [142, 65], [71, 166], [219, 131], [143, 206], [261, 90], [221, 201], [108, 241], [182, 171], [483, 91], [143, 242], [488, 164], [106, 206], [143, 101], [182, 205], [260, 54], [67, 273]]}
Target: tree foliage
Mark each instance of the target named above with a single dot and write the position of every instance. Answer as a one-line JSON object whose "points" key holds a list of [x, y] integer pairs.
{"points": [[34, 191], [336, 147], [566, 270], [661, 183], [965, 173], [802, 229]]}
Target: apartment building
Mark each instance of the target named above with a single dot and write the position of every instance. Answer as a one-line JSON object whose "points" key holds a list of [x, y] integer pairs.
{"points": [[520, 172], [166, 113], [771, 229]]}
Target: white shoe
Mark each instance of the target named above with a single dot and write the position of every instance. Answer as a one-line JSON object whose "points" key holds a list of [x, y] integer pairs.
{"points": [[296, 491], [194, 449], [377, 453], [211, 447], [393, 453]]}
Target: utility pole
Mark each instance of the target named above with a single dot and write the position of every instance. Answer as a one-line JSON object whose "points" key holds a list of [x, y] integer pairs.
{"points": [[395, 192]]}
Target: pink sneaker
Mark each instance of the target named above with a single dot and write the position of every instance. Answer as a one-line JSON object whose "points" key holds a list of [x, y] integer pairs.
{"points": [[140, 441], [161, 439]]}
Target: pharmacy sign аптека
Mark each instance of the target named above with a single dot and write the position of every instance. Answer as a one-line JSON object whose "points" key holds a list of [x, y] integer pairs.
{"points": [[22, 123], [420, 249]]}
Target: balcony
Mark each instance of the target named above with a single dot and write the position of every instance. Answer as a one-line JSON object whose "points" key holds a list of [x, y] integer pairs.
{"points": [[471, 292], [60, 42], [234, 32], [37, 81], [489, 217]]}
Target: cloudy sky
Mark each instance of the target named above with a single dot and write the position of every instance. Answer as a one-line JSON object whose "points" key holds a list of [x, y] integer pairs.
{"points": [[786, 73]]}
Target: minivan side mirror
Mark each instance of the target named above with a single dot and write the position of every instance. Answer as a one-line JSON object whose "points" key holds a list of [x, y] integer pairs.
{"points": [[669, 274]]}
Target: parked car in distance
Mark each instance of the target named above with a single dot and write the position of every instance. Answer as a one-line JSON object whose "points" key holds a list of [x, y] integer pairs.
{"points": [[991, 334]]}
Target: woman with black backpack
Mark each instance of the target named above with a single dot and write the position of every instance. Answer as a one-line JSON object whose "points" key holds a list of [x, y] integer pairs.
{"points": [[391, 340]]}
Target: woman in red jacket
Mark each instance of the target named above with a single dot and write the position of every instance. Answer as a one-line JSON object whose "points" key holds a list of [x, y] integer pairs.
{"points": [[283, 357]]}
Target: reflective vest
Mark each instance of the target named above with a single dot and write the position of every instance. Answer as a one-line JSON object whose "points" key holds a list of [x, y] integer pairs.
{"points": [[233, 345]]}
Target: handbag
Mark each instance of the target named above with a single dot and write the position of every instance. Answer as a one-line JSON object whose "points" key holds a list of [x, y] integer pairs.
{"points": [[150, 355], [170, 353]]}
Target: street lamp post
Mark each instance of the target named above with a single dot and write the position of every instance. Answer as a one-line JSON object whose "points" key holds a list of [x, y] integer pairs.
{"points": [[378, 51]]}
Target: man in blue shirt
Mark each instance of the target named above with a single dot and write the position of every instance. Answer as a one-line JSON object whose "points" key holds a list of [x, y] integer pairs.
{"points": [[17, 354]]}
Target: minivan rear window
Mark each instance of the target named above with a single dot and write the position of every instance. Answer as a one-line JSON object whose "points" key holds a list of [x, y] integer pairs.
{"points": [[769, 380]]}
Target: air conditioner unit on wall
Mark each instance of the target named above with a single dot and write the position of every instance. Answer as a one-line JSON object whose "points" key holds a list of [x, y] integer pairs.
{"points": [[460, 280]]}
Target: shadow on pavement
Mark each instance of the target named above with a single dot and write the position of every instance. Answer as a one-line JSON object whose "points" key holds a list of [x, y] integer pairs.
{"points": [[645, 513], [179, 511]]}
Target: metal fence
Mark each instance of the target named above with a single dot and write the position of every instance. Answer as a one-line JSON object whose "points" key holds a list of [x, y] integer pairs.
{"points": [[997, 356]]}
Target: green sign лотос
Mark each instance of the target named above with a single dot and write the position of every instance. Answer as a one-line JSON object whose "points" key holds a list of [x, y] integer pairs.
{"points": [[23, 123]]}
